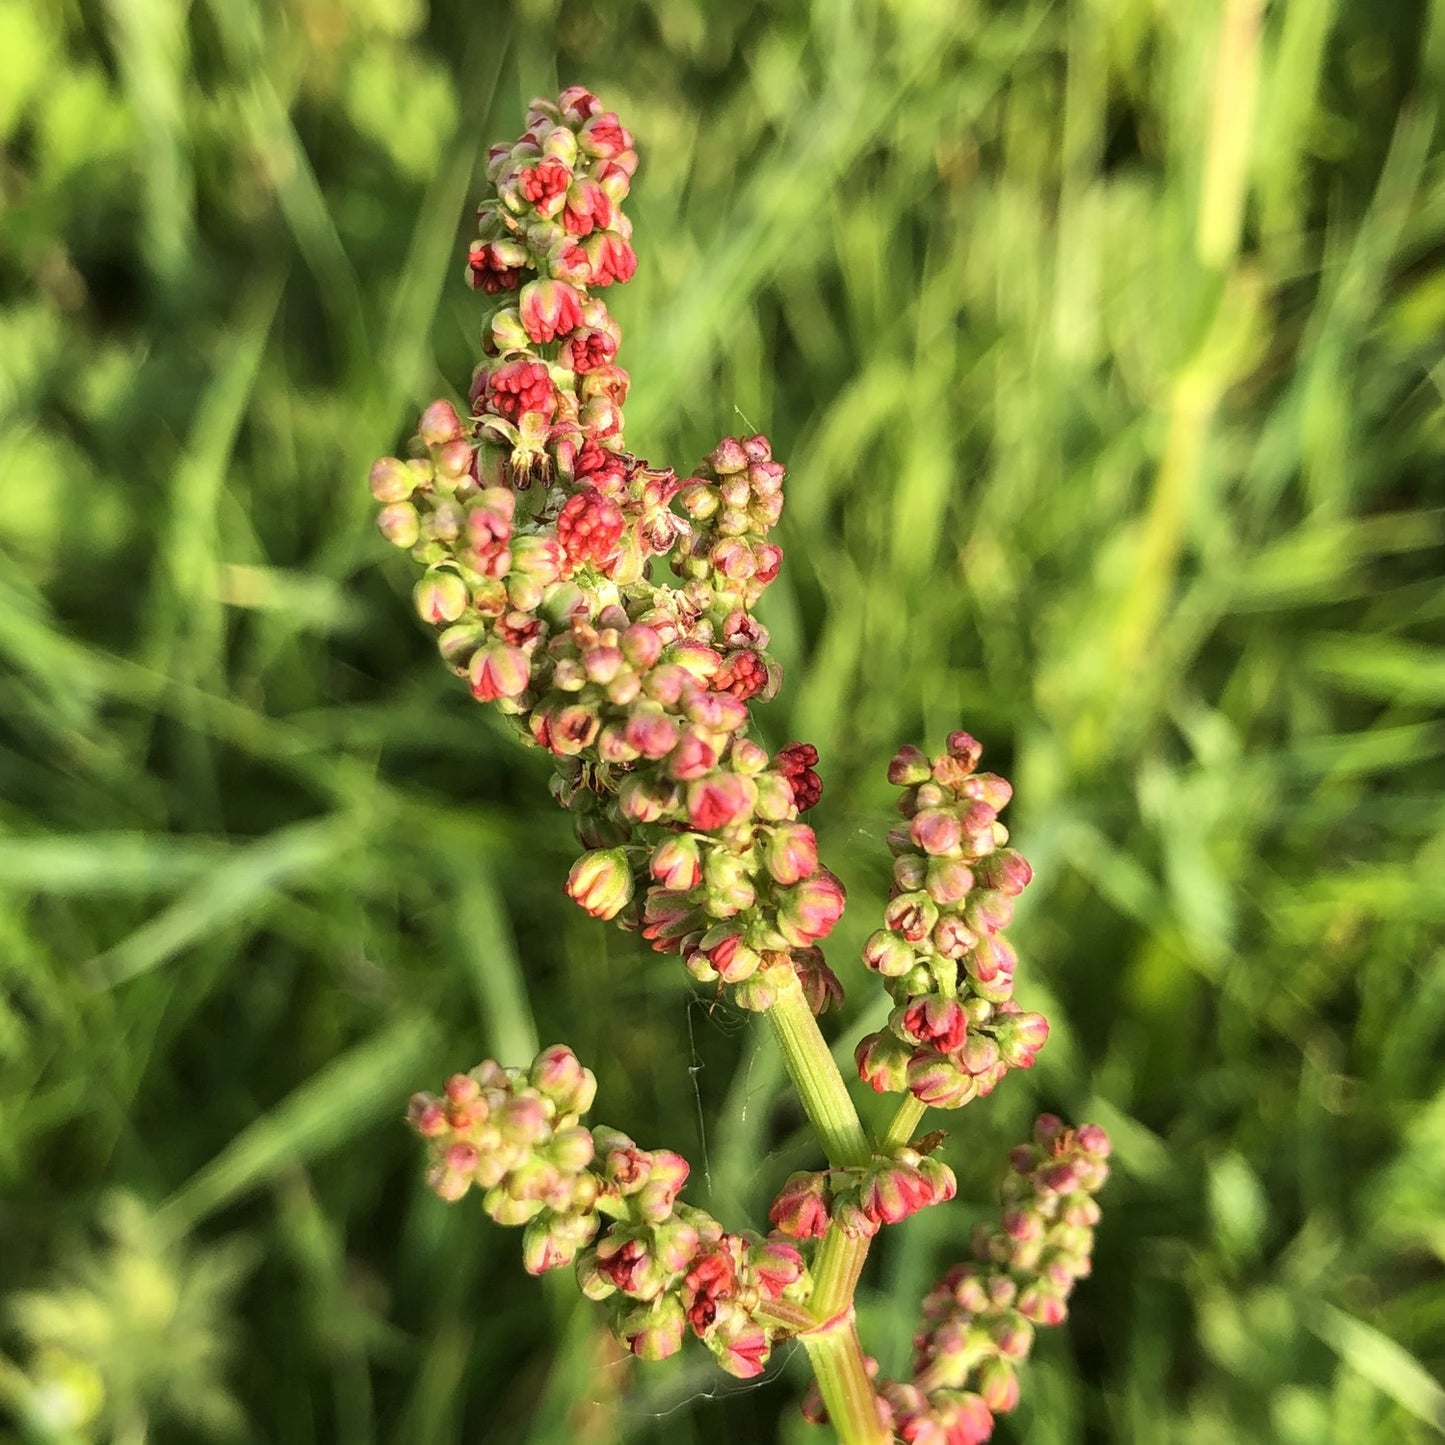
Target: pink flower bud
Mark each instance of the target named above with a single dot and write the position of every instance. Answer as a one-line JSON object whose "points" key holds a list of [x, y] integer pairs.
{"points": [[557, 1073], [1020, 1037], [676, 864], [439, 423], [693, 758], [427, 1116], [888, 953], [601, 882], [731, 959], [499, 671], [801, 1209], [937, 1081], [549, 309], [604, 136], [791, 853], [653, 1331], [1006, 872], [399, 524], [440, 597], [745, 1352], [882, 1062], [808, 910], [717, 801], [936, 830], [587, 208], [948, 881], [667, 916], [643, 799], [990, 959], [911, 914], [889, 1195], [776, 1265], [641, 646], [610, 256], [1042, 1304], [391, 480]]}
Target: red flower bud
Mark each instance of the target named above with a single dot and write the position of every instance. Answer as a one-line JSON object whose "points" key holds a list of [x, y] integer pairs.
{"points": [[801, 1209], [610, 257], [587, 208], [937, 1021], [549, 309], [519, 387], [587, 350], [545, 185], [908, 768], [494, 266]]}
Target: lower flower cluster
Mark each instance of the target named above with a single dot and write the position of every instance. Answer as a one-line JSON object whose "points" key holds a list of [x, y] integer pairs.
{"points": [[978, 1322], [955, 1029], [592, 1197], [862, 1200]]}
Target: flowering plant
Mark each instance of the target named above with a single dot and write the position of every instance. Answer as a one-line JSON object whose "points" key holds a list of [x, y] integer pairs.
{"points": [[541, 535]]}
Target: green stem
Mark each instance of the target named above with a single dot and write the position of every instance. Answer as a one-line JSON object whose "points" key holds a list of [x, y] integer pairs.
{"points": [[819, 1084], [905, 1121], [836, 1267], [837, 1360]]}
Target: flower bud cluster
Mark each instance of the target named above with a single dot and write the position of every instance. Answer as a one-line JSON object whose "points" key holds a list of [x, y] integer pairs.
{"points": [[978, 1322], [686, 1273], [516, 1135], [862, 1199], [593, 1197], [955, 1029], [543, 601]]}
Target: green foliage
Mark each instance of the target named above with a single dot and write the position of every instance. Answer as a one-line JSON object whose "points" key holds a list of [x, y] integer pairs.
{"points": [[1109, 379]]}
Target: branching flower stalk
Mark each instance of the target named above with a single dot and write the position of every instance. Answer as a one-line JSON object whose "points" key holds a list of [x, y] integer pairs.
{"points": [[541, 537]]}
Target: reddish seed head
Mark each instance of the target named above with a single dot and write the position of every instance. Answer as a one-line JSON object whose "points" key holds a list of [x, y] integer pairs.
{"points": [[796, 762], [590, 528], [519, 387], [542, 184]]}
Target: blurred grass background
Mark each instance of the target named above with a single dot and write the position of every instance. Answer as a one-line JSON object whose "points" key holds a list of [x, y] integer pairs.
{"points": [[1103, 341]]}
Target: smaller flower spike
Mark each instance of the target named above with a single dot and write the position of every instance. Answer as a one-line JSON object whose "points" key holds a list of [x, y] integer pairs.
{"points": [[956, 1029], [979, 1321]]}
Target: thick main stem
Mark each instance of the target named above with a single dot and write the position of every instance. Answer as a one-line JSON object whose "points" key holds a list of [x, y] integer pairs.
{"points": [[820, 1086], [837, 1360]]}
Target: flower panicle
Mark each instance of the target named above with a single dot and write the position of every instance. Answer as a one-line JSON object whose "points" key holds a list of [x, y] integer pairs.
{"points": [[536, 527], [979, 1320], [955, 1029], [590, 1197]]}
